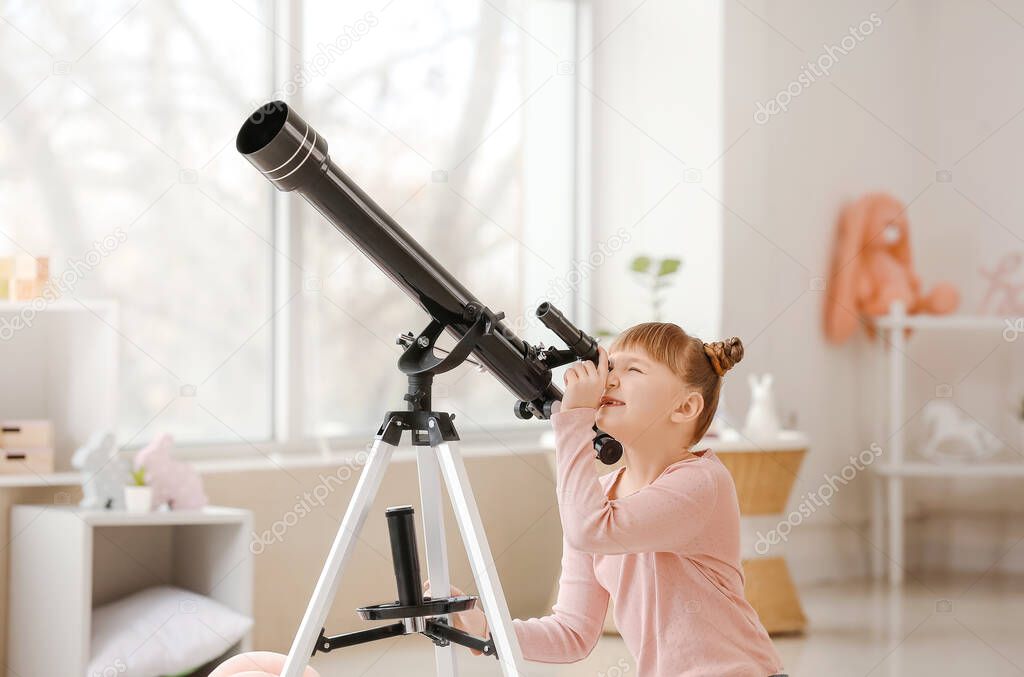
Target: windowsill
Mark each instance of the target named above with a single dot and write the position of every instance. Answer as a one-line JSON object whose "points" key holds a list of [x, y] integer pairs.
{"points": [[209, 459], [55, 479], [222, 458], [509, 438], [405, 453]]}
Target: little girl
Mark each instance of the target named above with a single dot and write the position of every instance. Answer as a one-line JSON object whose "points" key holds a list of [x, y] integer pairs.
{"points": [[659, 536]]}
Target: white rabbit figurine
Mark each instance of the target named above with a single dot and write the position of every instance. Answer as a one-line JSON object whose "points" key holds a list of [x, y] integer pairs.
{"points": [[762, 424], [104, 475]]}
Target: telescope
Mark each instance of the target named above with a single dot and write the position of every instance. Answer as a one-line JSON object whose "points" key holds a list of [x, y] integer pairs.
{"points": [[293, 157]]}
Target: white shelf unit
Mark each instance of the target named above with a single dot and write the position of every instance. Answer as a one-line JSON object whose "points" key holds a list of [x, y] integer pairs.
{"points": [[887, 483], [65, 561], [59, 361]]}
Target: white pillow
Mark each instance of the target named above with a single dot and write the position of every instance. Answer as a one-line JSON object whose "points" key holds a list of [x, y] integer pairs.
{"points": [[161, 631]]}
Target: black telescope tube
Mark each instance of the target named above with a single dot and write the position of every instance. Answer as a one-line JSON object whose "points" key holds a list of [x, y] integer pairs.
{"points": [[404, 556], [578, 341], [293, 156]]}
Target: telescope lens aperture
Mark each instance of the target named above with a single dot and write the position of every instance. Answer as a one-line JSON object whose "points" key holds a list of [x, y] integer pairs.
{"points": [[261, 127], [279, 143]]}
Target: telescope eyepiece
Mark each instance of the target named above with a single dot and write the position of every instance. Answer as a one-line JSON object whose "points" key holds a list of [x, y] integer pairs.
{"points": [[582, 345], [283, 146]]}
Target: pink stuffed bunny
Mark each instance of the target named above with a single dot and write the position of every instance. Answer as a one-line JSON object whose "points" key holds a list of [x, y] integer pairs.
{"points": [[172, 481], [256, 664], [871, 268]]}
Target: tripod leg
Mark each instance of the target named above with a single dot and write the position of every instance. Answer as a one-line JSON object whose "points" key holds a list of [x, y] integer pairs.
{"points": [[341, 550], [432, 514], [480, 558]]}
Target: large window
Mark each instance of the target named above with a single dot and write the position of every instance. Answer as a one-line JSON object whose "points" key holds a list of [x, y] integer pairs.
{"points": [[119, 120], [454, 117], [243, 314]]}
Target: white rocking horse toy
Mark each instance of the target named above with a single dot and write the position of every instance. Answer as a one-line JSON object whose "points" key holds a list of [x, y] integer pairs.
{"points": [[953, 436]]}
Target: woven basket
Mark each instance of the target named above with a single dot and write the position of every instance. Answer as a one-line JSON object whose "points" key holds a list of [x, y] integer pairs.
{"points": [[764, 479], [771, 592]]}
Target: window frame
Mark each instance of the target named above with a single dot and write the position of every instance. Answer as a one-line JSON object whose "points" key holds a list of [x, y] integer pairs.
{"points": [[288, 360]]}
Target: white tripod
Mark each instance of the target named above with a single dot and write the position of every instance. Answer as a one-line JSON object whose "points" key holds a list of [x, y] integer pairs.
{"points": [[440, 458]]}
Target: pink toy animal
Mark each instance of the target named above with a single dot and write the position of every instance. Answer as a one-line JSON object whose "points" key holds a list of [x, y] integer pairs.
{"points": [[173, 482], [871, 268], [256, 664]]}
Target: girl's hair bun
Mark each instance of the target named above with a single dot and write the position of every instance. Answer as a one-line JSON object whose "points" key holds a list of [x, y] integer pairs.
{"points": [[724, 354]]}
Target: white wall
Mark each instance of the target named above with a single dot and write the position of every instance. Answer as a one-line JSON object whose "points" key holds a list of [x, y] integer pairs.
{"points": [[679, 84], [656, 99], [927, 85]]}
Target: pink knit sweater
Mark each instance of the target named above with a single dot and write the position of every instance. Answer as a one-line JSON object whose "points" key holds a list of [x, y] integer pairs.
{"points": [[669, 555]]}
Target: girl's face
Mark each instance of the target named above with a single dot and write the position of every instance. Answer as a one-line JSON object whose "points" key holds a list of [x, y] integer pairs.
{"points": [[640, 395]]}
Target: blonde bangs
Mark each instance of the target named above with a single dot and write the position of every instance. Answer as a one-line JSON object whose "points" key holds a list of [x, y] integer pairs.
{"points": [[664, 342]]}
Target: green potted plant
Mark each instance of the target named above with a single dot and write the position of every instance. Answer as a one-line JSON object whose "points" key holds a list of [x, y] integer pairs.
{"points": [[656, 275], [138, 496]]}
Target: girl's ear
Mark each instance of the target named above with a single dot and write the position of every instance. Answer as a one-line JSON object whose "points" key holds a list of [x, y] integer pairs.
{"points": [[689, 408]]}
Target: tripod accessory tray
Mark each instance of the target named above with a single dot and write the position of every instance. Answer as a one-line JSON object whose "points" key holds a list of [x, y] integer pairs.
{"points": [[429, 607], [414, 611]]}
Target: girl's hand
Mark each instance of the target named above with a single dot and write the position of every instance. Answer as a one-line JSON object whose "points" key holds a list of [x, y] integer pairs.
{"points": [[472, 621], [585, 383]]}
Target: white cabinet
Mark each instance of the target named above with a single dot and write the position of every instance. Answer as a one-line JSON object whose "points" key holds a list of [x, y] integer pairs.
{"points": [[65, 561], [59, 361]]}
